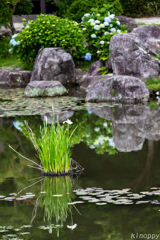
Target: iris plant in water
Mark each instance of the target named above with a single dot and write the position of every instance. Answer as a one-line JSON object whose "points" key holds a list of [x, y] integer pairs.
{"points": [[53, 147]]}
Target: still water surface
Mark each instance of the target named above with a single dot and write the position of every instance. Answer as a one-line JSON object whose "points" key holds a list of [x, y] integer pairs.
{"points": [[118, 147]]}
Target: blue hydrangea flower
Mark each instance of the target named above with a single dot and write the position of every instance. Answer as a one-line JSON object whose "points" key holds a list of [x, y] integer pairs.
{"points": [[105, 33], [17, 43], [111, 142], [97, 21], [107, 19], [15, 35], [112, 16], [91, 20], [106, 24], [118, 22], [113, 30], [97, 27], [14, 43], [18, 124], [89, 111], [86, 15], [88, 56], [93, 36], [118, 31], [11, 42]]}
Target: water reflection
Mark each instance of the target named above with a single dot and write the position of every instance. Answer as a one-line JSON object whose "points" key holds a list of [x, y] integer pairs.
{"points": [[54, 198]]}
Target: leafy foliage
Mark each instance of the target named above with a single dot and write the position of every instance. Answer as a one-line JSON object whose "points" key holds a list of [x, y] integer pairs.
{"points": [[56, 207], [139, 8], [54, 148], [99, 26], [4, 47], [48, 31], [8, 8], [5, 13], [153, 84], [79, 7], [24, 7]]}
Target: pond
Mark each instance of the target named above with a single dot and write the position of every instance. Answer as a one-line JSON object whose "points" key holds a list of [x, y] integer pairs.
{"points": [[116, 197]]}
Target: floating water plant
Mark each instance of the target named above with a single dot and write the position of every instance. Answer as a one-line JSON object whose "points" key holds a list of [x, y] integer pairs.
{"points": [[53, 146]]}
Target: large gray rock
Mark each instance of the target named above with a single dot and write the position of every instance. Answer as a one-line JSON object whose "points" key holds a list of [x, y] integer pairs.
{"points": [[93, 70], [15, 78], [79, 76], [119, 89], [108, 64], [4, 76], [54, 64], [150, 38], [89, 82], [19, 78], [45, 89], [129, 22], [129, 58]]}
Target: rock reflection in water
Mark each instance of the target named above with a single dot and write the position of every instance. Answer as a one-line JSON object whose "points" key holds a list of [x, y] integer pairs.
{"points": [[132, 124], [62, 116]]}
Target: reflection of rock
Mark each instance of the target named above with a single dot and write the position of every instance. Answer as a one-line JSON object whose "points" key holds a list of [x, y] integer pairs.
{"points": [[62, 116], [103, 112], [1, 147], [152, 125], [128, 127]]}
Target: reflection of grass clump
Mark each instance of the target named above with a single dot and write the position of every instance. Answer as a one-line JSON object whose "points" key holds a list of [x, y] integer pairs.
{"points": [[53, 145], [56, 206]]}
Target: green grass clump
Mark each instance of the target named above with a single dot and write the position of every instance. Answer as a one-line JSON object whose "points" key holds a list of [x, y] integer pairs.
{"points": [[153, 84], [11, 62], [53, 145]]}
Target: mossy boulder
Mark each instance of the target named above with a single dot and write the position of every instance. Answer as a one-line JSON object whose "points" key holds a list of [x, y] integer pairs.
{"points": [[45, 89]]}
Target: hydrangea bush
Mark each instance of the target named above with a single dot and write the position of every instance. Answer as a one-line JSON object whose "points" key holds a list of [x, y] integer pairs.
{"points": [[98, 28], [47, 31]]}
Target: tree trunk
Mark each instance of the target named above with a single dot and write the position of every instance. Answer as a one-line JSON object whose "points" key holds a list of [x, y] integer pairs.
{"points": [[43, 6], [11, 26]]}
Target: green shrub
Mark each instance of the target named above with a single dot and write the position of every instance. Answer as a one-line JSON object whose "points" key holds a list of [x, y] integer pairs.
{"points": [[79, 7], [98, 28], [4, 47], [48, 31], [24, 7], [139, 8]]}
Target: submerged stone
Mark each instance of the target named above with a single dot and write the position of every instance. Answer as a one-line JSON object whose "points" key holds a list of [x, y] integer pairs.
{"points": [[45, 89]]}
